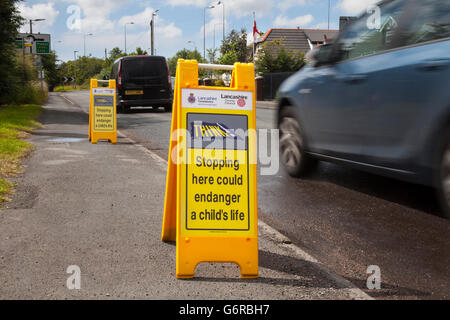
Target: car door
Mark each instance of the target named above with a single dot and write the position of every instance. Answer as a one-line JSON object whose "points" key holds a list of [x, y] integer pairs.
{"points": [[413, 85], [396, 89], [358, 128]]}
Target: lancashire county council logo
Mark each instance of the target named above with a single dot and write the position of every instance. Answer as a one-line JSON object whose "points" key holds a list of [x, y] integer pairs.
{"points": [[191, 98], [241, 103]]}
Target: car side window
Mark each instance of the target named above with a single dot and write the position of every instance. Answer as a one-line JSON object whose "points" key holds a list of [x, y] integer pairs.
{"points": [[430, 22], [372, 33]]}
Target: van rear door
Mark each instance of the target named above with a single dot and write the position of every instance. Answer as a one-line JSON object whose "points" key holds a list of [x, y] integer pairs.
{"points": [[145, 78]]}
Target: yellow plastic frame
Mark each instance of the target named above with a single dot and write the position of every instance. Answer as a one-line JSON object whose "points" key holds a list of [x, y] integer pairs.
{"points": [[242, 248], [95, 136]]}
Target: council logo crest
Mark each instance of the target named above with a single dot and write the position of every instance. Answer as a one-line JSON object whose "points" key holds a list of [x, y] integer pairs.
{"points": [[191, 98], [241, 103]]}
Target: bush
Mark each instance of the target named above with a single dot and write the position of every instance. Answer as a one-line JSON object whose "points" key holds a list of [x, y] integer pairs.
{"points": [[32, 94], [274, 56]]}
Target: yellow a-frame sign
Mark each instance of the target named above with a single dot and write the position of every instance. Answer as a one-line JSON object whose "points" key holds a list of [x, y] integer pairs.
{"points": [[102, 112], [210, 206]]}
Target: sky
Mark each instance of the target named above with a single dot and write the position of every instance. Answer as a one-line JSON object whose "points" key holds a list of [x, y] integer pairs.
{"points": [[178, 23]]}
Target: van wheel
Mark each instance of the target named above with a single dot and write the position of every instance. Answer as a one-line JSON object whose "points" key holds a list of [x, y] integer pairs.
{"points": [[292, 145], [444, 179], [168, 108]]}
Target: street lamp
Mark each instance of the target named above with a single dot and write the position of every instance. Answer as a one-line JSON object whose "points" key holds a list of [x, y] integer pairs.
{"points": [[329, 5], [125, 28], [223, 17], [152, 32], [31, 29], [204, 30], [31, 24], [193, 43], [75, 69], [85, 35], [214, 41]]}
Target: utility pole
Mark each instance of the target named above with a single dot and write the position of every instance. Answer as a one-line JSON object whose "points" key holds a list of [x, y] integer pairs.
{"points": [[223, 17], [204, 30], [125, 29], [75, 69], [329, 7], [23, 57], [41, 73], [152, 35], [86, 34], [152, 32]]}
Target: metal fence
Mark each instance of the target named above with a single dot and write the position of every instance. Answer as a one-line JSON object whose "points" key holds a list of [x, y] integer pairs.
{"points": [[272, 82]]}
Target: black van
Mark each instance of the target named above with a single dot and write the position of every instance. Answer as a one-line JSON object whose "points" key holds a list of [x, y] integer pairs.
{"points": [[142, 81]]}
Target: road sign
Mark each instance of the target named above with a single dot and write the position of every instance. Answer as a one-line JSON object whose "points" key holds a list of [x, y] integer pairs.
{"points": [[35, 43], [102, 112], [210, 206]]}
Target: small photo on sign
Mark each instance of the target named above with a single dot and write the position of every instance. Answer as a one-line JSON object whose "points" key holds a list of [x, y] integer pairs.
{"points": [[217, 131]]}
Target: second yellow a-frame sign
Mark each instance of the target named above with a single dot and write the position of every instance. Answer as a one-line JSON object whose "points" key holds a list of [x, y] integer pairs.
{"points": [[210, 206], [102, 112]]}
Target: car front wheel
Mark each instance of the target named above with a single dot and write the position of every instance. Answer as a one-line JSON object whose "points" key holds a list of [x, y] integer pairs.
{"points": [[292, 145]]}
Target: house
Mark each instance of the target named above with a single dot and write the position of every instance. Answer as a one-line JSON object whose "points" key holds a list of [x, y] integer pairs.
{"points": [[298, 39]]}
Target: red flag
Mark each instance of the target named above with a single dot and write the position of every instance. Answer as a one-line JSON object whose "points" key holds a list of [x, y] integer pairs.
{"points": [[255, 31]]}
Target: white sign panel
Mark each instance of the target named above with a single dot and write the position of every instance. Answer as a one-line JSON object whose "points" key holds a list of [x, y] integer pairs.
{"points": [[103, 91], [214, 99]]}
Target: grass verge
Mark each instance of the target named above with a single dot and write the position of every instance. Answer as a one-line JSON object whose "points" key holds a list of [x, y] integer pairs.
{"points": [[16, 121], [70, 88]]}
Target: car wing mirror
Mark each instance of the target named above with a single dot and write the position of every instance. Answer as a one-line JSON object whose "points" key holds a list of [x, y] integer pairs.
{"points": [[320, 55]]}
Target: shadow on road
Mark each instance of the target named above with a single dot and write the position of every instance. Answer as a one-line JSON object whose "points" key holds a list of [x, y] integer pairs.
{"points": [[388, 291], [60, 134], [308, 275], [55, 116], [411, 195]]}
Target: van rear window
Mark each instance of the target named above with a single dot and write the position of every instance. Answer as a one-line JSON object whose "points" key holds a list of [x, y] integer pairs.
{"points": [[143, 68]]}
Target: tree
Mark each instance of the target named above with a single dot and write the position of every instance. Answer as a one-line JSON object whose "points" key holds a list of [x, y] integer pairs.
{"points": [[86, 68], [274, 56], [52, 75], [211, 53], [139, 52], [10, 78], [115, 54], [184, 54], [234, 48]]}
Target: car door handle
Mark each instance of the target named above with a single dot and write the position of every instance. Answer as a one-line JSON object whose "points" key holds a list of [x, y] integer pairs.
{"points": [[434, 65], [355, 78]]}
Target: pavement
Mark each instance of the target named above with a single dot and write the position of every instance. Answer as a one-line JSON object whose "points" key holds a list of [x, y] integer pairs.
{"points": [[266, 104], [345, 218], [100, 207]]}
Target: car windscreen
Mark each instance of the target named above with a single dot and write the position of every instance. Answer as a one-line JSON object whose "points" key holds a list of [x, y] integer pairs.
{"points": [[143, 68]]}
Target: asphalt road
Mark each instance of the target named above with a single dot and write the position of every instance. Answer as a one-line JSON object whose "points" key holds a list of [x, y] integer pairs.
{"points": [[99, 208], [345, 218]]}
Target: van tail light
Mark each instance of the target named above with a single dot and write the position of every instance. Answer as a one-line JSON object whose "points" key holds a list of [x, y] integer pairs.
{"points": [[119, 76]]}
